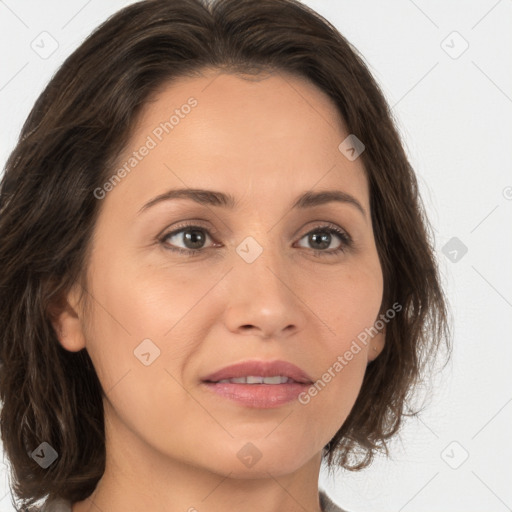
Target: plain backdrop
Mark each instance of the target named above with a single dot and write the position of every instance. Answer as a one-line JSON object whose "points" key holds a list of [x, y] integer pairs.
{"points": [[445, 70]]}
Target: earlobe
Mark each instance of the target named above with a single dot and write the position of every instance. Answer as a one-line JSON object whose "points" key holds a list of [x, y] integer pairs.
{"points": [[67, 322]]}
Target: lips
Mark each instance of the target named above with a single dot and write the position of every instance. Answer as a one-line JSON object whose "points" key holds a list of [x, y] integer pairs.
{"points": [[260, 369], [258, 384]]}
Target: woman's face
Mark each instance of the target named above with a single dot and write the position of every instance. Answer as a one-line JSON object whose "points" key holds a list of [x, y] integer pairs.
{"points": [[268, 281]]}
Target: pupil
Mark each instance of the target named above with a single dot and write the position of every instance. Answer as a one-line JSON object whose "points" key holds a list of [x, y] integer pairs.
{"points": [[195, 237], [325, 239]]}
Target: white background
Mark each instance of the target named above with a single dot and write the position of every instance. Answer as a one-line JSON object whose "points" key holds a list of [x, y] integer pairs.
{"points": [[455, 116]]}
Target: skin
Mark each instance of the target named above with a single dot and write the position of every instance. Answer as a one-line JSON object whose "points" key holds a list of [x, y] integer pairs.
{"points": [[172, 445]]}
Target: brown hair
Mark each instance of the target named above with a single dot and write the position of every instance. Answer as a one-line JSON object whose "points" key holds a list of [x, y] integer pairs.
{"points": [[68, 147]]}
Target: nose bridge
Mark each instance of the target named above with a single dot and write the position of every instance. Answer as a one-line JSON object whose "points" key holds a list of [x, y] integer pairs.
{"points": [[262, 295], [262, 261]]}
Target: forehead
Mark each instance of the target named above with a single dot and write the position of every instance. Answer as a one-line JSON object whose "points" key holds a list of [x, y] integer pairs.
{"points": [[222, 130]]}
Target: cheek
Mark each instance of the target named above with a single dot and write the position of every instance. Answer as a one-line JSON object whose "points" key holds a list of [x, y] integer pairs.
{"points": [[348, 307], [349, 302], [144, 310], [331, 398], [132, 341]]}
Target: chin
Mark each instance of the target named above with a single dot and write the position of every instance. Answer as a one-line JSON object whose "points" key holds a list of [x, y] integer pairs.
{"points": [[256, 459]]}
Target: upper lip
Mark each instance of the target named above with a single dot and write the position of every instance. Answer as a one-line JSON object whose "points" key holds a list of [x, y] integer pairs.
{"points": [[262, 369]]}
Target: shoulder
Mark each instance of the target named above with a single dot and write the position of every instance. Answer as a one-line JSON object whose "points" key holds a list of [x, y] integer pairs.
{"points": [[327, 505]]}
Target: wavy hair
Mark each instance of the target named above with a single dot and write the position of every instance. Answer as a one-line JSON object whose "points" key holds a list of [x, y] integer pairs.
{"points": [[68, 147]]}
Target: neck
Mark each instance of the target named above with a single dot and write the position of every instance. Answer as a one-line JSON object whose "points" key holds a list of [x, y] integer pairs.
{"points": [[139, 478]]}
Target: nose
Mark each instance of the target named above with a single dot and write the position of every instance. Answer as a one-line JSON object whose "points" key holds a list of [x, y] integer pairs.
{"points": [[264, 298]]}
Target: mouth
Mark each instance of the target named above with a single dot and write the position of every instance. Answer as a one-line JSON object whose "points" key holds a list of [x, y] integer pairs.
{"points": [[259, 384], [257, 379]]}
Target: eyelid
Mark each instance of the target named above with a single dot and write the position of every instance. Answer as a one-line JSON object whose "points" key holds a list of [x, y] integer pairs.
{"points": [[327, 226], [346, 241], [192, 223]]}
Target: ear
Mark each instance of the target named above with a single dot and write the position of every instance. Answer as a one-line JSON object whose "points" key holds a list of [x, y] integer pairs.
{"points": [[376, 345], [67, 320]]}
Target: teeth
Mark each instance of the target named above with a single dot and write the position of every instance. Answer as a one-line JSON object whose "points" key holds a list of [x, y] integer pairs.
{"points": [[252, 380], [275, 380], [278, 379]]}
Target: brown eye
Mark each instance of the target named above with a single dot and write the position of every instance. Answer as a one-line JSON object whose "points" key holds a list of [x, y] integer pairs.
{"points": [[191, 237], [321, 238]]}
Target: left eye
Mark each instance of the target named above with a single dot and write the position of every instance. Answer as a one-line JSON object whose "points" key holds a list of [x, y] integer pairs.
{"points": [[323, 237]]}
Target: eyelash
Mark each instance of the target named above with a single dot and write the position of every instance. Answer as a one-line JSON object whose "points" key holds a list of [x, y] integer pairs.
{"points": [[345, 239]]}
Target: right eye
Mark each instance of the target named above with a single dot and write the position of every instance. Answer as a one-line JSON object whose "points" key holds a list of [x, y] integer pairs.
{"points": [[189, 234]]}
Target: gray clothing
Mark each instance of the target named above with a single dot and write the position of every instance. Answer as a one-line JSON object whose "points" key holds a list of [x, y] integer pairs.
{"points": [[65, 506]]}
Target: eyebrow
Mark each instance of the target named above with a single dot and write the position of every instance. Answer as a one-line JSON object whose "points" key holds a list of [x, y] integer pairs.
{"points": [[214, 198]]}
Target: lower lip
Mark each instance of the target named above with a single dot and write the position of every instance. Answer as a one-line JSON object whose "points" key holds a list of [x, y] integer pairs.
{"points": [[262, 396]]}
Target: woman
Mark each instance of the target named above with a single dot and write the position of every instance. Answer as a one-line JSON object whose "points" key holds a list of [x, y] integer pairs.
{"points": [[216, 269]]}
